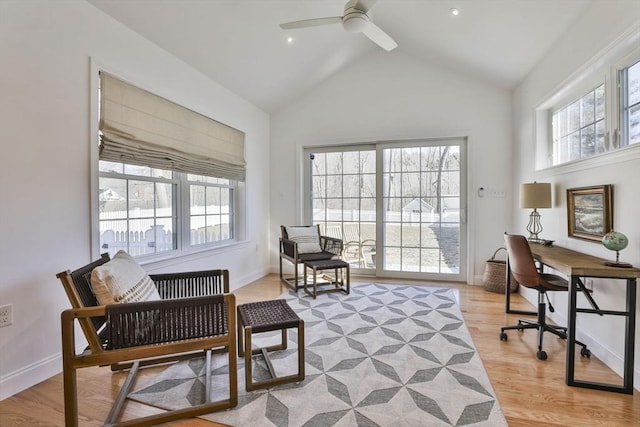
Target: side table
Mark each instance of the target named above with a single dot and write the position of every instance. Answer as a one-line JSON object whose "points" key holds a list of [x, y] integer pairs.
{"points": [[265, 316]]}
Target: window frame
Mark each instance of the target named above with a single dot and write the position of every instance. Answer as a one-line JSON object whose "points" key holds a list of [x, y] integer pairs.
{"points": [[580, 127], [127, 178], [621, 100], [604, 68], [186, 226], [183, 246]]}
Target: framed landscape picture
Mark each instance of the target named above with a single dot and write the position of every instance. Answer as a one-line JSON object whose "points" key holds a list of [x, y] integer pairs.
{"points": [[590, 212]]}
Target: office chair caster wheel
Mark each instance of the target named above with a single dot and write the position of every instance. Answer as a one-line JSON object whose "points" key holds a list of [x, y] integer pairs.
{"points": [[585, 352], [503, 336], [542, 355]]}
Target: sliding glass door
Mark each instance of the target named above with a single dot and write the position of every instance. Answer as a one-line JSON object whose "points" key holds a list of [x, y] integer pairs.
{"points": [[343, 201], [421, 209], [399, 207]]}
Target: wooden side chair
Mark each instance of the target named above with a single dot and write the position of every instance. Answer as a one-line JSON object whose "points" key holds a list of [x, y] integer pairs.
{"points": [[305, 243], [187, 315]]}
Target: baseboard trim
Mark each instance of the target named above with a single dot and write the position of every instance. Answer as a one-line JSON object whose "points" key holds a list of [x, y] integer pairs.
{"points": [[248, 278], [30, 375]]}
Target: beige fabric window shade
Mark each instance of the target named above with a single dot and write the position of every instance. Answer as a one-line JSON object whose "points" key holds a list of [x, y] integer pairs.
{"points": [[141, 128]]}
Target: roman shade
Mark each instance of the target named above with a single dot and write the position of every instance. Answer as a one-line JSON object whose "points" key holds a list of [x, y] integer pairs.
{"points": [[141, 128]]}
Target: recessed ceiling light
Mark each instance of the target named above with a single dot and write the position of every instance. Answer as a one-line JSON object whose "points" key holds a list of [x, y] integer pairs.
{"points": [[289, 40], [455, 11]]}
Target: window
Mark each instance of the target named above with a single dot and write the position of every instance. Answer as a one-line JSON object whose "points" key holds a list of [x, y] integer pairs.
{"points": [[578, 128], [169, 179], [211, 209], [597, 111], [139, 209], [630, 104]]}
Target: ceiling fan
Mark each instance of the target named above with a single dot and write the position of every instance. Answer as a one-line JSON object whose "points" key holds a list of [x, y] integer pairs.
{"points": [[354, 20]]}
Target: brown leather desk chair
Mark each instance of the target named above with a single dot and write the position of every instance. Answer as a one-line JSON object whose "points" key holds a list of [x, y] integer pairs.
{"points": [[526, 273]]}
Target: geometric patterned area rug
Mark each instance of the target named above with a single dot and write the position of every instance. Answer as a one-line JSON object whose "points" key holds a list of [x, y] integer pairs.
{"points": [[385, 355]]}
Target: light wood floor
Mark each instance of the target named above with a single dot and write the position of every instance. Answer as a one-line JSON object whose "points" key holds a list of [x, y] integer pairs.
{"points": [[531, 392]]}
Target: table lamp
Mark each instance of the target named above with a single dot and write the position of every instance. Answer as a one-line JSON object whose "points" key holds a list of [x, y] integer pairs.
{"points": [[535, 195]]}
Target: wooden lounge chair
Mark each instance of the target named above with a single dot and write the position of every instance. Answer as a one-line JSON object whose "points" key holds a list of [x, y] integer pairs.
{"points": [[196, 313]]}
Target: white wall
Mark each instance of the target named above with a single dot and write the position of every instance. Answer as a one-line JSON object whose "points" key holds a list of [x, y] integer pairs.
{"points": [[44, 169], [391, 96], [589, 37]]}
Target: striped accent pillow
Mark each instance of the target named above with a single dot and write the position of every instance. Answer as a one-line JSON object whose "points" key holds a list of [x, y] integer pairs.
{"points": [[122, 280], [307, 239]]}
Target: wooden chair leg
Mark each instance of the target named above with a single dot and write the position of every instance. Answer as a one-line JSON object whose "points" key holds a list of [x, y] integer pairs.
{"points": [[69, 372], [70, 397], [285, 342], [301, 359], [248, 374]]}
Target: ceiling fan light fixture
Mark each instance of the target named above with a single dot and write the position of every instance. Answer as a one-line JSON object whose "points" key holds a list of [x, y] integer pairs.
{"points": [[355, 22]]}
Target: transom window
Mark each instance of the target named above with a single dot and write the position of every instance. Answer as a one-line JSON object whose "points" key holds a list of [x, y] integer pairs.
{"points": [[578, 128], [596, 112], [630, 104]]}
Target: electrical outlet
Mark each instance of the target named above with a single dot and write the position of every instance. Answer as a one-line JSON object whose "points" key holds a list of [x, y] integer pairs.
{"points": [[6, 315]]}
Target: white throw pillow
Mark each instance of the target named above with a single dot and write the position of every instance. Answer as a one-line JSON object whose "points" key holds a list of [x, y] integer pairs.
{"points": [[307, 239], [122, 280]]}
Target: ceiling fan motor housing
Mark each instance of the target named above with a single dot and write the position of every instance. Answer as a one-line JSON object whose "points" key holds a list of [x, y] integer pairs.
{"points": [[354, 20]]}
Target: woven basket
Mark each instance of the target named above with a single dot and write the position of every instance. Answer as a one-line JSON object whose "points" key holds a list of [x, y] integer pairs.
{"points": [[494, 278]]}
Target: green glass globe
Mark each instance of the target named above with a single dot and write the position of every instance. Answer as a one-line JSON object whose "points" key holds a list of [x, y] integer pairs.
{"points": [[615, 241]]}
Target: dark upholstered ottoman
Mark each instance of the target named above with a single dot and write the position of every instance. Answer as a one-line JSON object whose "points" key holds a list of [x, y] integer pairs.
{"points": [[265, 316]]}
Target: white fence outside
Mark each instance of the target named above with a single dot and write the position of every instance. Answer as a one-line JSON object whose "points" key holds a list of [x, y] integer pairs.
{"points": [[142, 234]]}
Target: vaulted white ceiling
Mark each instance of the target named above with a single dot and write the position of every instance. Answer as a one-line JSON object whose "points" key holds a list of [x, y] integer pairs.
{"points": [[239, 43]]}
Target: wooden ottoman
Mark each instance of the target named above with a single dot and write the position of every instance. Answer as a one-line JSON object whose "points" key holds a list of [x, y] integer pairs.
{"points": [[339, 282], [265, 316]]}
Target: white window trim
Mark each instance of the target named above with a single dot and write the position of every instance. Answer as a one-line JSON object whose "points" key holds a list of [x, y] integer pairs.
{"points": [[620, 65], [601, 69], [182, 251]]}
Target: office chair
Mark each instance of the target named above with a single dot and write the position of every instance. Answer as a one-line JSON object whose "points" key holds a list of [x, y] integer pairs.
{"points": [[526, 273]]}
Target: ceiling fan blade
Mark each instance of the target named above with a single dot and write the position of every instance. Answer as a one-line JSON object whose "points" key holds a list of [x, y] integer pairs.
{"points": [[379, 37], [311, 23]]}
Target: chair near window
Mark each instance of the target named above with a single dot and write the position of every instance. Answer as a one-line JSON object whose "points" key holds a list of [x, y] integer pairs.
{"points": [[174, 316], [356, 251], [305, 243], [523, 268]]}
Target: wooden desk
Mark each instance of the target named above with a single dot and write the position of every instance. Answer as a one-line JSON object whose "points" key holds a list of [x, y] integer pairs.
{"points": [[576, 265]]}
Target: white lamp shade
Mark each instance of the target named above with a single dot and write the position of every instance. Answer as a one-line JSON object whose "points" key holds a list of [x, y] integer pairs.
{"points": [[535, 195]]}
